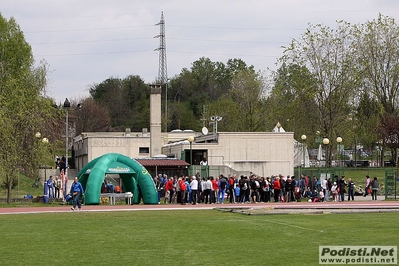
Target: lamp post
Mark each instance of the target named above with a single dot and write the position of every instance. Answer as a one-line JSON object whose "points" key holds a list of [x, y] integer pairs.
{"points": [[319, 151], [38, 135], [303, 138], [339, 140], [45, 141], [191, 139], [67, 106], [379, 149], [326, 141]]}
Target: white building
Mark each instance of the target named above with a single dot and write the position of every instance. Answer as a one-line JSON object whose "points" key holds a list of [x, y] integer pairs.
{"points": [[263, 153]]}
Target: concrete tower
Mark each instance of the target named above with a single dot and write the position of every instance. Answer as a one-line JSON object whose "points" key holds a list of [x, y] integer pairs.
{"points": [[155, 120]]}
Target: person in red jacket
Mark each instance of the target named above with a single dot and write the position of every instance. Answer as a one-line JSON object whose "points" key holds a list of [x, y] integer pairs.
{"points": [[183, 189], [215, 189], [277, 188], [169, 190], [231, 189]]}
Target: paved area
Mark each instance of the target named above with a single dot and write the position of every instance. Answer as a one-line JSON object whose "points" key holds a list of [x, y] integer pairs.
{"points": [[361, 204]]}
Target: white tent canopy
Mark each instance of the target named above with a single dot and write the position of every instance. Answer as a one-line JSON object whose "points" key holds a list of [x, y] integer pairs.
{"points": [[299, 158]]}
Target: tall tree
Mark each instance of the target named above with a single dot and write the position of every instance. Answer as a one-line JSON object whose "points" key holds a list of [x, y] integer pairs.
{"points": [[137, 95], [243, 108], [22, 108], [377, 48], [292, 100], [328, 54], [368, 113], [91, 117], [126, 99]]}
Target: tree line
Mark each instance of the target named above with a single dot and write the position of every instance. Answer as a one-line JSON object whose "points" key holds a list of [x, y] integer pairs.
{"points": [[331, 82]]}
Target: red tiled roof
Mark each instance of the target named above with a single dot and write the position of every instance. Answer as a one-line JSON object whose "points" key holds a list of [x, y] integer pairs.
{"points": [[162, 162]]}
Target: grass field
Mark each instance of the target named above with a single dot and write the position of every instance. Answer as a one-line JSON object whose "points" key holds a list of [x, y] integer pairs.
{"points": [[195, 237]]}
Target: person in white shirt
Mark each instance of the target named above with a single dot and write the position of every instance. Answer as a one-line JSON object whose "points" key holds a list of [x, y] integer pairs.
{"points": [[194, 189], [207, 188], [334, 192], [204, 162]]}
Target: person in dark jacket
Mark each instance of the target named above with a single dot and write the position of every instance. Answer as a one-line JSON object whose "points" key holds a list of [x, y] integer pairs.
{"points": [[351, 189], [342, 188], [374, 188], [289, 189]]}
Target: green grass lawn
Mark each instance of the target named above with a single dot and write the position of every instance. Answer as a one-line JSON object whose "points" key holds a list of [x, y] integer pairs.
{"points": [[195, 237]]}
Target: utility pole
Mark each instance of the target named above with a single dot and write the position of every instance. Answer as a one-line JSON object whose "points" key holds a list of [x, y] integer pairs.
{"points": [[163, 68]]}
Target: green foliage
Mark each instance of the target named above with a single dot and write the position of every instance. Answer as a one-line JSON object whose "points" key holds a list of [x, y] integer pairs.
{"points": [[341, 81], [243, 108], [216, 85], [377, 50], [293, 100], [182, 117], [23, 110], [127, 101], [368, 118], [325, 53]]}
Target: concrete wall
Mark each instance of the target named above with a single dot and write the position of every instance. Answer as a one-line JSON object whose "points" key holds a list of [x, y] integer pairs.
{"points": [[264, 153]]}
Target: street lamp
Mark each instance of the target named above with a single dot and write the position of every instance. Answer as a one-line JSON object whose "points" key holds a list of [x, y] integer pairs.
{"points": [[303, 137], [67, 106], [191, 139], [339, 140], [38, 135], [326, 141]]}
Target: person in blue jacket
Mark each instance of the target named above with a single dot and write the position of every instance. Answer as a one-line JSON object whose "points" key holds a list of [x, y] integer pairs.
{"points": [[76, 191], [50, 186]]}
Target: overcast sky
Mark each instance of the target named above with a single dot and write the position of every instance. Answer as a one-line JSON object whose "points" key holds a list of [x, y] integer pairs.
{"points": [[87, 41]]}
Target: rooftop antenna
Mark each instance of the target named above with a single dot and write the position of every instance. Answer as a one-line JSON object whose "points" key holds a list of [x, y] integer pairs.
{"points": [[204, 115]]}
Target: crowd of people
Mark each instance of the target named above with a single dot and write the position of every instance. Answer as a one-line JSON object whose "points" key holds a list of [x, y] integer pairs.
{"points": [[57, 185], [253, 189]]}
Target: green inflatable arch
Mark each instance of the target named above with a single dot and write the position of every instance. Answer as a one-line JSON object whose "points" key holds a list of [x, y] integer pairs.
{"points": [[134, 177]]}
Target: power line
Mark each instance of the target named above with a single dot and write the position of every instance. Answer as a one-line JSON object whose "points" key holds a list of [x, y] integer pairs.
{"points": [[92, 41], [150, 38], [145, 51], [88, 29], [94, 53]]}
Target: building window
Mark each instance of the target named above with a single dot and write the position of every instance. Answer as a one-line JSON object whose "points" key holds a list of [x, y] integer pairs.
{"points": [[144, 150]]}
